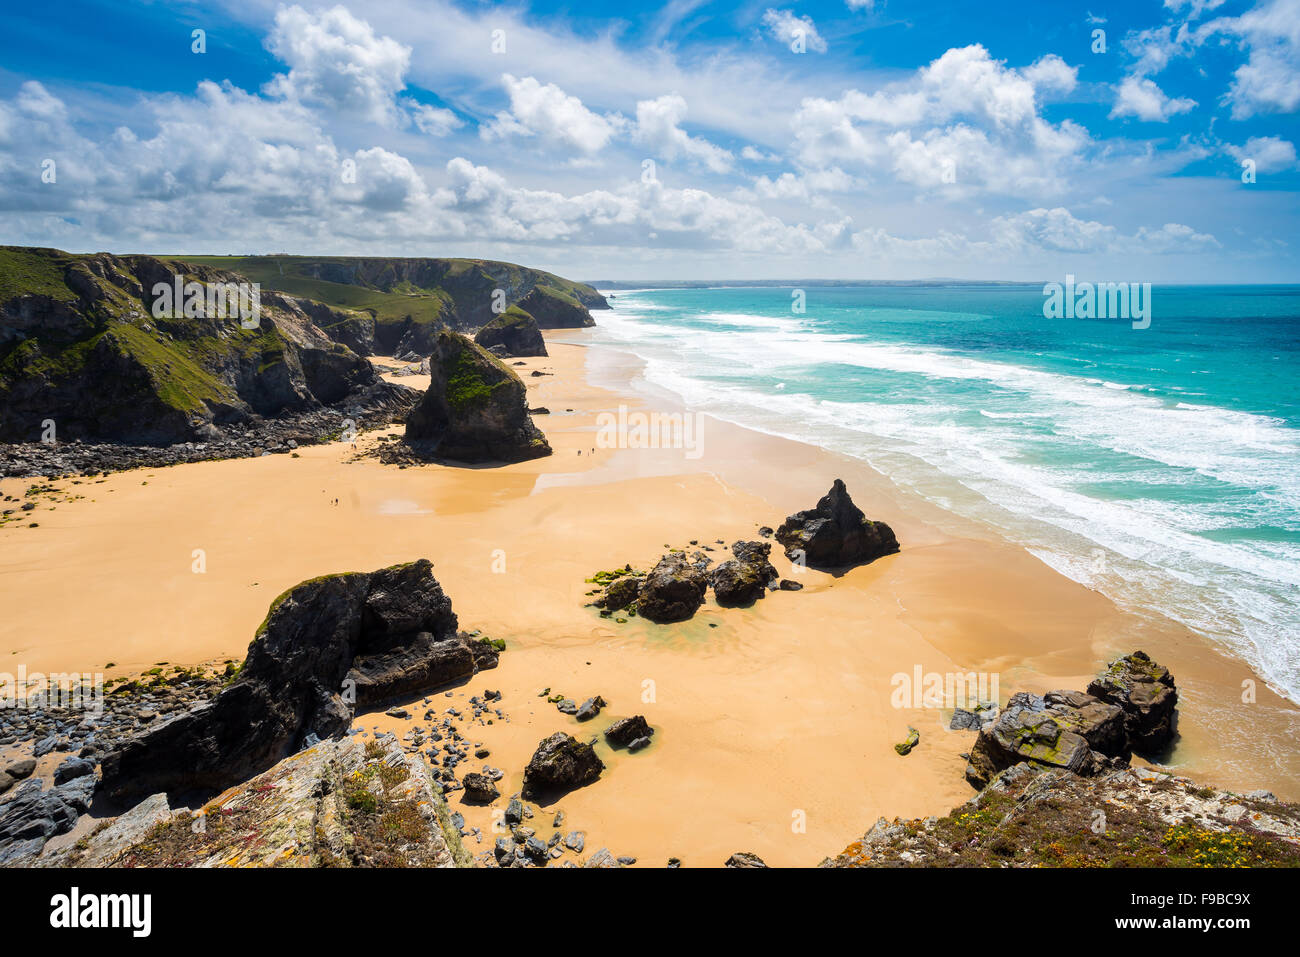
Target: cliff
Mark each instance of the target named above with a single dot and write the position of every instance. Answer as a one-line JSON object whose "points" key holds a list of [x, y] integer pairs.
{"points": [[92, 345], [397, 306]]}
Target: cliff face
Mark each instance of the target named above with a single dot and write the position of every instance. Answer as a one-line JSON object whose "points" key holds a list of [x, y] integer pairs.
{"points": [[82, 344], [515, 331], [409, 301]]}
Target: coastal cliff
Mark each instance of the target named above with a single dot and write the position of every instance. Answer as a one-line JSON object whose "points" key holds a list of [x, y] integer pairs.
{"points": [[89, 347]]}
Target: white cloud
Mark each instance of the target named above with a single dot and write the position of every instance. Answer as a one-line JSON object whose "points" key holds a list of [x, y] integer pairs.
{"points": [[658, 128], [1269, 81], [1140, 97], [793, 31], [553, 115], [337, 61], [1271, 154], [963, 110], [433, 120]]}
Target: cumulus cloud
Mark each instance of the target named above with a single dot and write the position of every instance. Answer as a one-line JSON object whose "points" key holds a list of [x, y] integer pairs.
{"points": [[339, 62], [1271, 154], [658, 127], [964, 113], [794, 31], [1140, 97], [547, 112], [1269, 81], [433, 120]]}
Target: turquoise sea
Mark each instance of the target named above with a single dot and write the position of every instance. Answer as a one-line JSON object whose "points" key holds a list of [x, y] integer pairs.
{"points": [[1159, 465]]}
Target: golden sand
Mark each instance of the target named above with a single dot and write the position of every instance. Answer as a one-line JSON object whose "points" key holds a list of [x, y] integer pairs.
{"points": [[774, 729]]}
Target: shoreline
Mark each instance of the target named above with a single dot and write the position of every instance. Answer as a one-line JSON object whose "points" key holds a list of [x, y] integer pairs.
{"points": [[780, 711]]}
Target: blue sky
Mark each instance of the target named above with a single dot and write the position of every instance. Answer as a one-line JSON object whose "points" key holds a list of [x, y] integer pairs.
{"points": [[892, 139]]}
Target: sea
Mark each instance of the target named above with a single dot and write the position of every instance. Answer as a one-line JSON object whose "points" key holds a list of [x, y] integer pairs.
{"points": [[1156, 460]]}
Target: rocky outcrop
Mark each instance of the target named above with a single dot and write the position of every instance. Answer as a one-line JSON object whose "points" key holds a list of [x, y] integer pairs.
{"points": [[556, 309], [745, 578], [33, 815], [620, 593], [475, 409], [674, 589], [835, 533], [1032, 816], [514, 330], [744, 859], [627, 731], [1078, 732], [327, 647], [338, 803], [90, 343], [1146, 693], [561, 763]]}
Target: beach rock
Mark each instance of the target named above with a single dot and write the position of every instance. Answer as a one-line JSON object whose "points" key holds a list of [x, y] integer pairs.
{"points": [[15, 772], [327, 647], [479, 788], [475, 409], [602, 858], [626, 730], [561, 763], [514, 330], [1064, 729], [1146, 693], [590, 708], [787, 585], [911, 741], [73, 768], [674, 588], [555, 310], [744, 859], [744, 579], [33, 816], [835, 533], [620, 593]]}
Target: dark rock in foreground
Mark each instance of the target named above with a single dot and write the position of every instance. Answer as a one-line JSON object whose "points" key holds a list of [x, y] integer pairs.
{"points": [[479, 788], [1146, 693], [475, 409], [327, 647], [674, 588], [1077, 732], [561, 763], [744, 579], [516, 331], [835, 533], [744, 859]]}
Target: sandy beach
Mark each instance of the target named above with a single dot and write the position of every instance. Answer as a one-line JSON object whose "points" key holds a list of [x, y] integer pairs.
{"points": [[774, 724]]}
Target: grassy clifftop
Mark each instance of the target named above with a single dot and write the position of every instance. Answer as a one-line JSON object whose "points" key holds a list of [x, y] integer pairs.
{"points": [[410, 299]]}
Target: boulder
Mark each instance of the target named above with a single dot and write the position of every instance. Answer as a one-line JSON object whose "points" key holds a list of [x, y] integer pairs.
{"points": [[1146, 693], [744, 579], [620, 593], [515, 331], [326, 647], [1069, 730], [33, 816], [475, 409], [744, 859], [626, 730], [479, 788], [674, 588], [835, 533], [561, 763]]}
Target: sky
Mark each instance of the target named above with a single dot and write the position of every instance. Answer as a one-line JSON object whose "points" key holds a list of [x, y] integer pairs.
{"points": [[1141, 141]]}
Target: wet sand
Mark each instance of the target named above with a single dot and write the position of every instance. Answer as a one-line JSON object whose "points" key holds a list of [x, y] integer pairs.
{"points": [[774, 729]]}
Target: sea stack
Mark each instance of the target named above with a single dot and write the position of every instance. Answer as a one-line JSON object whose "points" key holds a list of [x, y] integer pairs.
{"points": [[835, 533], [475, 409], [516, 330]]}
